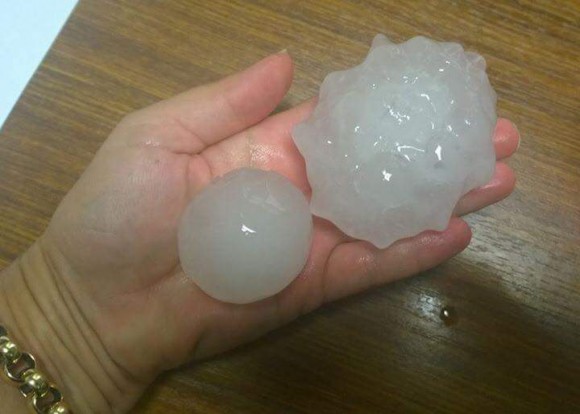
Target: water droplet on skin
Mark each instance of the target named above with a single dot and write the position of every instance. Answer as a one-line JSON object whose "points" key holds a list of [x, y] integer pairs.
{"points": [[448, 315]]}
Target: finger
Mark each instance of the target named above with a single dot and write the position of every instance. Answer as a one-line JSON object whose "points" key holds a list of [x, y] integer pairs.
{"points": [[267, 145], [357, 266], [272, 146], [275, 133], [506, 138], [281, 125], [216, 111], [500, 186]]}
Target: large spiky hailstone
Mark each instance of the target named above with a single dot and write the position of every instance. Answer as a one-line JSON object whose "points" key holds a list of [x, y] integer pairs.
{"points": [[394, 142]]}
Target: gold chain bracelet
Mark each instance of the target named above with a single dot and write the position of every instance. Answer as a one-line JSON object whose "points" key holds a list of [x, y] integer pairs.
{"points": [[20, 368]]}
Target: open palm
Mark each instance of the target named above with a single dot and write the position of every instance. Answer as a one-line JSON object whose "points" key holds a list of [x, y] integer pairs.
{"points": [[114, 236]]}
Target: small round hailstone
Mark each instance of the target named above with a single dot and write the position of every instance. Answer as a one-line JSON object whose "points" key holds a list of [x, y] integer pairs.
{"points": [[246, 236], [394, 142]]}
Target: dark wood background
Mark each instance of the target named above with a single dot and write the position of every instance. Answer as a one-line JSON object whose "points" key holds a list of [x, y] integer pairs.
{"points": [[515, 343]]}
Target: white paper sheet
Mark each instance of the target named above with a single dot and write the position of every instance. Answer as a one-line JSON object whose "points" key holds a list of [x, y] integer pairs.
{"points": [[27, 29]]}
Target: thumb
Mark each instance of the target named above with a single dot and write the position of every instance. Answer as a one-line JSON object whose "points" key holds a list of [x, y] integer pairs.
{"points": [[212, 112]]}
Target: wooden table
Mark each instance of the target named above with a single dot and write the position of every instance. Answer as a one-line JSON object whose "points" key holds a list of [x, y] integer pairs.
{"points": [[515, 346]]}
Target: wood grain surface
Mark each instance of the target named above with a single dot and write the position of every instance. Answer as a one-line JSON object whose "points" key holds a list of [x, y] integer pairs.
{"points": [[514, 342]]}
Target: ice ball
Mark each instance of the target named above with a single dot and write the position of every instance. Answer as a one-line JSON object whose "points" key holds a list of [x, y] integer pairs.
{"points": [[246, 236], [394, 142]]}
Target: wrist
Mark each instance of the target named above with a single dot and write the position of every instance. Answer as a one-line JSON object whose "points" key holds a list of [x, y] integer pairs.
{"points": [[44, 318]]}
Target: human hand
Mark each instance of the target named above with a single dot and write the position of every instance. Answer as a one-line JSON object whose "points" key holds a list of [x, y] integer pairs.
{"points": [[111, 247]]}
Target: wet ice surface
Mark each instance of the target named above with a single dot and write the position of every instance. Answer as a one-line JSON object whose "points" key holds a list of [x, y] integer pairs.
{"points": [[246, 236], [395, 142]]}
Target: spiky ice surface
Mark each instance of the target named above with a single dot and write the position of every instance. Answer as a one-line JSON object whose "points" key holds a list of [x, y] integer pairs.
{"points": [[394, 142], [246, 236]]}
